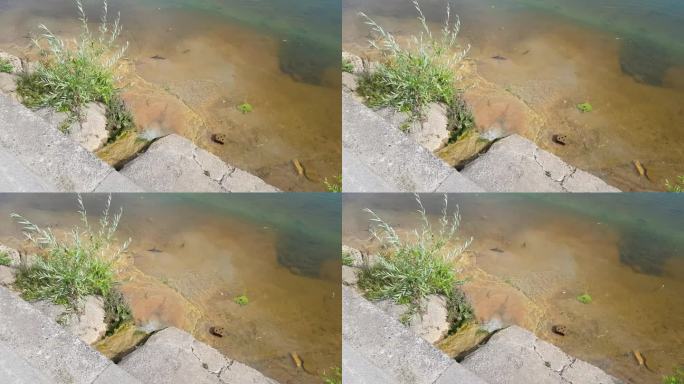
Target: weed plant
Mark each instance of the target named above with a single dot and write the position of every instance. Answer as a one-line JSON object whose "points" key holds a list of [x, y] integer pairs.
{"points": [[6, 66], [410, 270], [677, 186], [84, 262], [409, 78], [4, 259], [75, 72], [675, 378]]}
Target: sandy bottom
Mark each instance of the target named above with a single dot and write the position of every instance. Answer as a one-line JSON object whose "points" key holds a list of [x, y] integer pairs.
{"points": [[530, 265], [186, 267], [552, 65], [205, 68]]}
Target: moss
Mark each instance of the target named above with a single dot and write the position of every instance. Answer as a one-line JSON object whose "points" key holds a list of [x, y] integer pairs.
{"points": [[245, 108], [584, 298], [241, 300], [585, 107]]}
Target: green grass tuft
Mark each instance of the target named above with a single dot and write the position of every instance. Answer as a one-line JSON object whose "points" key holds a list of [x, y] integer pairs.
{"points": [[67, 270], [677, 377], [409, 78], [333, 377], [677, 186], [117, 311], [335, 186], [347, 259], [72, 74], [119, 118], [347, 66], [5, 259], [6, 66], [584, 298], [460, 118], [410, 270]]}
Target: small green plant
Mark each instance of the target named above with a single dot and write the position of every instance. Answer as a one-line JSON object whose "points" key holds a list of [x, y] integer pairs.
{"points": [[410, 270], [347, 259], [74, 73], [67, 270], [333, 377], [584, 298], [459, 310], [5, 259], [460, 118], [410, 78], [117, 311], [119, 118], [241, 300], [585, 107], [677, 186], [6, 66], [335, 186], [677, 377], [347, 66], [245, 108]]}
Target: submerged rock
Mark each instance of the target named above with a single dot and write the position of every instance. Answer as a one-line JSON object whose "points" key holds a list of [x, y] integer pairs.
{"points": [[431, 323], [464, 340], [91, 132]]}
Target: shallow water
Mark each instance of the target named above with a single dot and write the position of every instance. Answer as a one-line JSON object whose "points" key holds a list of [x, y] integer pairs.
{"points": [[626, 58], [191, 255], [281, 57], [626, 251]]}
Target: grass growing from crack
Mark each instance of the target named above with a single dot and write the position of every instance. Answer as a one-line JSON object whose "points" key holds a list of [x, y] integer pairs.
{"points": [[119, 118], [6, 66], [410, 270], [5, 259], [81, 263], [460, 119], [347, 259], [409, 78], [677, 186], [75, 72], [347, 66]]}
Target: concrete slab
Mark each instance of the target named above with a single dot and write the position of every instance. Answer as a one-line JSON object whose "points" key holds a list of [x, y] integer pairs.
{"points": [[173, 356], [16, 370], [16, 177], [516, 356], [385, 345], [358, 370], [175, 164], [50, 349], [50, 155], [515, 164], [377, 154]]}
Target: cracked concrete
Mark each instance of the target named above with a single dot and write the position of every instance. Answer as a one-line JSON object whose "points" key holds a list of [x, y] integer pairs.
{"points": [[516, 356], [515, 164], [172, 356], [175, 164]]}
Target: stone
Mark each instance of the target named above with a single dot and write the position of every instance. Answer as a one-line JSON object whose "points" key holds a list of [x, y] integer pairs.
{"points": [[175, 164], [12, 254], [515, 164], [173, 356], [7, 275], [432, 132], [431, 324], [89, 324], [355, 61], [378, 157], [349, 81], [219, 138], [516, 356], [91, 132], [354, 254], [349, 275], [8, 82], [52, 117], [13, 60]]}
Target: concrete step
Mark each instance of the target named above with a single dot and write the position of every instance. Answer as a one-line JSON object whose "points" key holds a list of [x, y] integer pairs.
{"points": [[41, 347], [376, 346], [175, 164], [515, 164], [516, 356], [377, 155], [49, 158], [16, 177], [172, 356], [16, 370]]}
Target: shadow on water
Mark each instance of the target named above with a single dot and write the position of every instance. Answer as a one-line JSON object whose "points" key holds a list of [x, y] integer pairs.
{"points": [[644, 61]]}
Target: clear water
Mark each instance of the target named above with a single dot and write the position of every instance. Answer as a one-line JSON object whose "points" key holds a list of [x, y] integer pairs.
{"points": [[542, 251], [281, 57], [192, 254], [624, 57]]}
